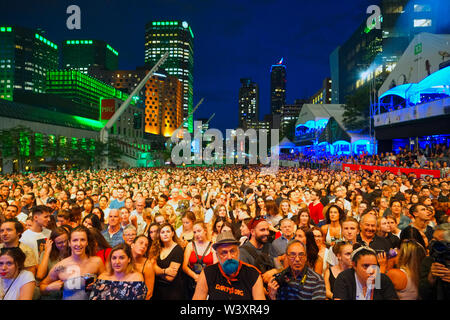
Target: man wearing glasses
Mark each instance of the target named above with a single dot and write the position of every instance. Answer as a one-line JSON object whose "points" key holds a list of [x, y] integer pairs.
{"points": [[297, 282]]}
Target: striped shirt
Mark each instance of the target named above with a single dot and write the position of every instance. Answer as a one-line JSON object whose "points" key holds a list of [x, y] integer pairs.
{"points": [[313, 287]]}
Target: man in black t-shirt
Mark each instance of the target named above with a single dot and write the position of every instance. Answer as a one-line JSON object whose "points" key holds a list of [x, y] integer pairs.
{"points": [[230, 278]]}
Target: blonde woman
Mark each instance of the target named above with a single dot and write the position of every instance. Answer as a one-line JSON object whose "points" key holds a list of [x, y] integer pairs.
{"points": [[406, 276], [120, 281]]}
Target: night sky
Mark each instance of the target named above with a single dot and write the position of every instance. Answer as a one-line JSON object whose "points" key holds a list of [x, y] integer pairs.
{"points": [[233, 39]]}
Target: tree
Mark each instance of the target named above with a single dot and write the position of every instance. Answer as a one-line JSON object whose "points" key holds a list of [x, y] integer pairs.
{"points": [[357, 110]]}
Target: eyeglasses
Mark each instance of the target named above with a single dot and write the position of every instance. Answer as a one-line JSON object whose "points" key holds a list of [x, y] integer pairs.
{"points": [[293, 255]]}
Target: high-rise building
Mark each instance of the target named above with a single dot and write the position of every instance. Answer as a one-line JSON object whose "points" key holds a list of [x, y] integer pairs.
{"points": [[177, 38], [248, 103], [25, 57], [81, 88], [161, 96], [290, 113], [370, 54], [82, 54], [323, 95], [277, 87]]}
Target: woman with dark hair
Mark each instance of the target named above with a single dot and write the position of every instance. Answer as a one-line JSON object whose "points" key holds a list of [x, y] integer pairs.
{"points": [[273, 216], [303, 219], [153, 233], [120, 281], [103, 204], [142, 263], [102, 248], [312, 251], [412, 233], [217, 227], [334, 216], [100, 215], [16, 283], [261, 209], [76, 272], [75, 215], [92, 221], [358, 282], [167, 256], [88, 205]]}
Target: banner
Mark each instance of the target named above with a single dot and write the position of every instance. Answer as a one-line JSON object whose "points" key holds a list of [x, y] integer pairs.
{"points": [[420, 173], [108, 107]]}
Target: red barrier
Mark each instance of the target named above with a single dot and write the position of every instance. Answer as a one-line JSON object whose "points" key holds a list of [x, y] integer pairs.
{"points": [[395, 170]]}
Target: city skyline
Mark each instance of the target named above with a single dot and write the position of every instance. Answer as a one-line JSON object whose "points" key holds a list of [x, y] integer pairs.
{"points": [[243, 49]]}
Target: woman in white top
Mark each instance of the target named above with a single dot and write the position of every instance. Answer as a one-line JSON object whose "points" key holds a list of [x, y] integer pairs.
{"points": [[406, 276], [16, 283]]}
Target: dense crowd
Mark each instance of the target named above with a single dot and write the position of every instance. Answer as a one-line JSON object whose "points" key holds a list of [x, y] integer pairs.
{"points": [[436, 158], [234, 232]]}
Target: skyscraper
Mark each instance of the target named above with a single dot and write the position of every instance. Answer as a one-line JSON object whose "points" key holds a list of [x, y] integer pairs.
{"points": [[25, 57], [177, 38], [82, 54], [248, 103], [277, 87]]}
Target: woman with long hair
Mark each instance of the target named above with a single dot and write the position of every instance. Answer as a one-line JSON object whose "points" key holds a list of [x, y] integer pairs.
{"points": [[405, 276], [197, 255], [272, 216], [312, 251], [332, 230], [142, 262], [323, 250], [217, 227], [167, 256], [102, 248], [78, 271], [92, 221], [304, 220], [120, 281], [285, 209]]}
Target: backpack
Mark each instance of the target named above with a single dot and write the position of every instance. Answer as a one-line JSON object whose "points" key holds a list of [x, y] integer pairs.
{"points": [[263, 262]]}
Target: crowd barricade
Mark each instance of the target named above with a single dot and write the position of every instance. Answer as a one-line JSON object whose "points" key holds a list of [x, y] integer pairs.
{"points": [[420, 173], [308, 165]]}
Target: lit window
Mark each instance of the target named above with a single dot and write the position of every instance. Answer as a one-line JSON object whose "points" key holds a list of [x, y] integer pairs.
{"points": [[422, 23]]}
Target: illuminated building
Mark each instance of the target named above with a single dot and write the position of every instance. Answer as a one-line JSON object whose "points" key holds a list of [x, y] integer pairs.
{"points": [[290, 112], [323, 95], [248, 103], [177, 38], [81, 54], [25, 57], [370, 54], [277, 87], [161, 96]]}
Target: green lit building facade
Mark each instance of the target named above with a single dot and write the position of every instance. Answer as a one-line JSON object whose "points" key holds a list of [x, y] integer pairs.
{"points": [[82, 54], [177, 38], [81, 88], [25, 57]]}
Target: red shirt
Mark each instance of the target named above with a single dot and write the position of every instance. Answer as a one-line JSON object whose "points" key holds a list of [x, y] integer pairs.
{"points": [[316, 212], [103, 254], [208, 260]]}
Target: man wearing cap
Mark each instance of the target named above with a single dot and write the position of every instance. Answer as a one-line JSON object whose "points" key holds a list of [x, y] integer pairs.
{"points": [[230, 278]]}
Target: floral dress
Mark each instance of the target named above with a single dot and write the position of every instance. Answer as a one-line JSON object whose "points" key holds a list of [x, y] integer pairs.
{"points": [[118, 290]]}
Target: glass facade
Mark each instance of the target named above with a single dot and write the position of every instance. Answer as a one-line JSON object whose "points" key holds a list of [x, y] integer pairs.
{"points": [[277, 87], [248, 103], [25, 57], [177, 38], [83, 54]]}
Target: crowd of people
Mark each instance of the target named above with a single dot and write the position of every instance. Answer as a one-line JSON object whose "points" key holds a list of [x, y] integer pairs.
{"points": [[433, 158], [228, 233]]}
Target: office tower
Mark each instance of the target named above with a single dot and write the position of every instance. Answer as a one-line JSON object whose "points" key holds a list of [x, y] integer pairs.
{"points": [[248, 103], [277, 87], [370, 54], [290, 113], [161, 96], [177, 38], [323, 95], [25, 57], [82, 54]]}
